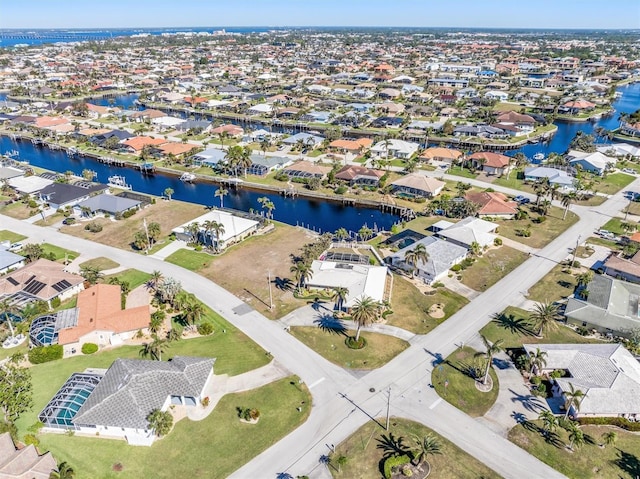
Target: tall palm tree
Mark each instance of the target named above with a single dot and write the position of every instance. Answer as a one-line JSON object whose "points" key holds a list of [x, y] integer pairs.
{"points": [[414, 256], [363, 313], [573, 399], [544, 316], [65, 471], [585, 278], [221, 192], [154, 349], [218, 230], [549, 421], [155, 280], [537, 360], [193, 229], [576, 437], [268, 205], [302, 273], [192, 311], [157, 320], [567, 200], [425, 446], [341, 234], [340, 296], [491, 349]]}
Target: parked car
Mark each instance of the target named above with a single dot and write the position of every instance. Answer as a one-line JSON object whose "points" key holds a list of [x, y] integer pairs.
{"points": [[606, 234], [631, 171], [522, 200], [15, 247]]}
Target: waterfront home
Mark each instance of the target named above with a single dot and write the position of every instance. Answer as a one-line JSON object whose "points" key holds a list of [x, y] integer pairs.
{"points": [[98, 318], [483, 131], [136, 144], [578, 106], [210, 157], [234, 229], [9, 172], [202, 126], [165, 123], [24, 462], [524, 123], [116, 404], [417, 185], [627, 269], [60, 195], [306, 139], [555, 176], [8, 260], [261, 165], [394, 149], [497, 95], [468, 231], [610, 308], [442, 255], [42, 280], [493, 204], [359, 175], [29, 184], [361, 279], [174, 148], [607, 373], [353, 147], [146, 115], [630, 129], [491, 163], [444, 155], [105, 140], [449, 82], [596, 163], [306, 169], [621, 149], [265, 109], [109, 204]]}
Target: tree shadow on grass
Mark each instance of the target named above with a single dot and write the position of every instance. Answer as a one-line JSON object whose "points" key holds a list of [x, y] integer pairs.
{"points": [[512, 324], [330, 324], [629, 463], [283, 284], [553, 439]]}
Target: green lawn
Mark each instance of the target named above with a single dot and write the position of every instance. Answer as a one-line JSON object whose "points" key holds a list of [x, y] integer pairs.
{"points": [[364, 456], [557, 284], [596, 240], [541, 234], [613, 183], [460, 389], [621, 460], [615, 226], [515, 181], [515, 328], [6, 235], [60, 253], [491, 267], [463, 172], [212, 448], [380, 348], [411, 307], [190, 259], [100, 263], [132, 276]]}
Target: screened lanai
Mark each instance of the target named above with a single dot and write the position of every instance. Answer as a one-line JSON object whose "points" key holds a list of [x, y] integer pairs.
{"points": [[62, 408]]}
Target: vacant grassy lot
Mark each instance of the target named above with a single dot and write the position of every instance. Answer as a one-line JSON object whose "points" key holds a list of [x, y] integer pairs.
{"points": [[492, 266], [364, 456], [6, 235], [460, 389], [18, 210], [380, 348], [613, 183], [541, 234], [168, 214], [621, 460], [515, 328], [60, 253], [411, 307], [244, 269], [212, 448], [100, 263], [557, 284], [134, 277], [190, 259]]}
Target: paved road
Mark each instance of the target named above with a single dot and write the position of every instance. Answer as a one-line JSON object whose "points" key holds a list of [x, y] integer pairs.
{"points": [[342, 400]]}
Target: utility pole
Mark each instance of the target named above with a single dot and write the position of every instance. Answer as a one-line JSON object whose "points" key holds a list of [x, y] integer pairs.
{"points": [[575, 251], [388, 407], [146, 231], [270, 293]]}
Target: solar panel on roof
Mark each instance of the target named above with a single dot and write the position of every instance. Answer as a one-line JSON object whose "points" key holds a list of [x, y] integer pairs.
{"points": [[13, 281], [61, 285], [34, 287], [30, 279]]}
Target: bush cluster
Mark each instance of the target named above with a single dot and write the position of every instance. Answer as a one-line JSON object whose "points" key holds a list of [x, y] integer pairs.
{"points": [[129, 213], [620, 422], [93, 227], [205, 329], [89, 348], [394, 461], [44, 354]]}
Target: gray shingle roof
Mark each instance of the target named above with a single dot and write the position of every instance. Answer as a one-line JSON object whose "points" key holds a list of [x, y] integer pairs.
{"points": [[132, 388], [109, 203]]}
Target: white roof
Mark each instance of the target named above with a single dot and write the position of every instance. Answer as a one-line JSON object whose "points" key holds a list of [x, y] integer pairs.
{"points": [[554, 175], [596, 159], [620, 149], [360, 280], [167, 121], [233, 225], [262, 108], [401, 146], [29, 184], [607, 373], [442, 255], [471, 230]]}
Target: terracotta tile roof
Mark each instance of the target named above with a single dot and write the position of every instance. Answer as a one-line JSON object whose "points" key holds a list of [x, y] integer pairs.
{"points": [[45, 121], [352, 145], [441, 153], [139, 142], [233, 130], [349, 172], [494, 160], [99, 309], [493, 203], [175, 148]]}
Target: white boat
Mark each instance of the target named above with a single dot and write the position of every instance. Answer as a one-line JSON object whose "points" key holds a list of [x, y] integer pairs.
{"points": [[187, 177], [538, 156], [117, 181]]}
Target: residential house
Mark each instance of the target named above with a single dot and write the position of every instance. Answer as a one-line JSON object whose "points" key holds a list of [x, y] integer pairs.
{"points": [[555, 176], [109, 204], [8, 260], [607, 374], [493, 204], [234, 229], [491, 163], [306, 169], [60, 195], [262, 165], [415, 184], [442, 255], [117, 403], [524, 123], [394, 149], [359, 175], [445, 155], [627, 269], [596, 163], [353, 147], [307, 139], [136, 144], [24, 462], [469, 231]]}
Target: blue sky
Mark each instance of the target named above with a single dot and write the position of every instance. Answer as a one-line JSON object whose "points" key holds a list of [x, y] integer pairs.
{"points": [[418, 13]]}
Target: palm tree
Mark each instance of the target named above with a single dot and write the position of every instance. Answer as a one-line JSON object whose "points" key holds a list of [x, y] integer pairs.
{"points": [[154, 280], [365, 232], [416, 255], [491, 349], [585, 278], [363, 313], [340, 296], [65, 471], [168, 192], [549, 421], [157, 320], [573, 398], [264, 145], [576, 437], [154, 349], [610, 438], [537, 360], [425, 446], [221, 192], [192, 312], [475, 248], [302, 273], [268, 205], [218, 230], [194, 231], [567, 200], [544, 316], [341, 234]]}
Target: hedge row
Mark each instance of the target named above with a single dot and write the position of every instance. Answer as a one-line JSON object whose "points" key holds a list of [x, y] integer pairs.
{"points": [[44, 354], [621, 422]]}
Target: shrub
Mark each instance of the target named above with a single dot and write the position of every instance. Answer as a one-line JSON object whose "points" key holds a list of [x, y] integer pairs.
{"points": [[55, 302], [353, 344], [205, 401], [540, 219], [89, 348], [407, 472], [197, 247], [611, 421], [437, 284], [129, 213], [70, 221], [205, 329], [582, 331], [44, 354], [394, 461], [341, 190], [456, 267], [93, 227], [31, 439], [497, 242]]}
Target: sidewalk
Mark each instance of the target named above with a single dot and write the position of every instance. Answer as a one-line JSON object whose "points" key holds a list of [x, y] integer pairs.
{"points": [[168, 250], [459, 288]]}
